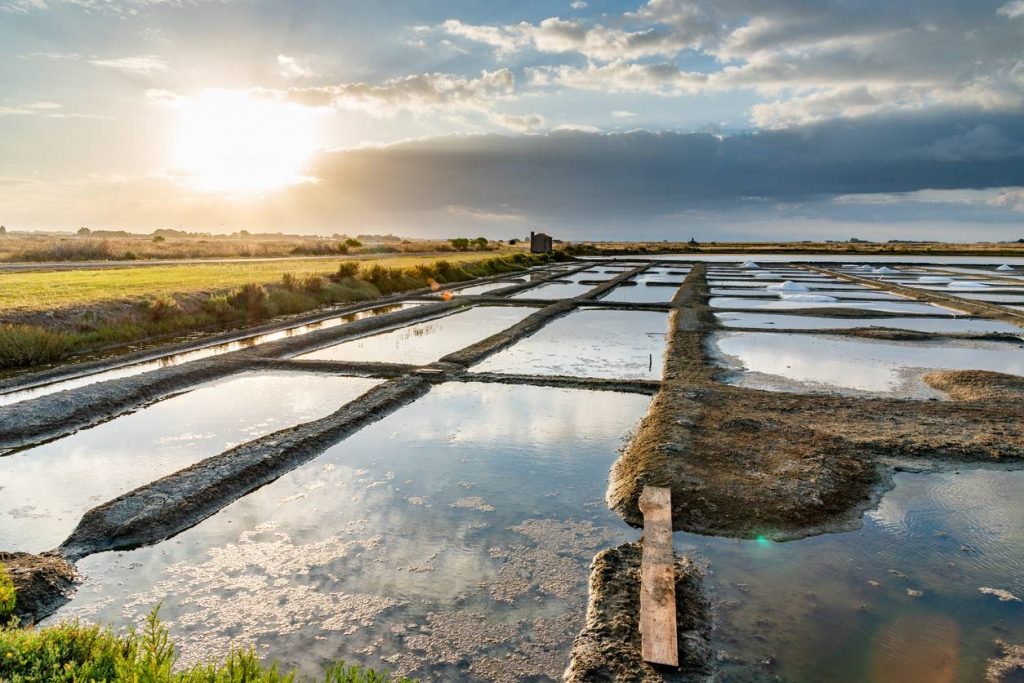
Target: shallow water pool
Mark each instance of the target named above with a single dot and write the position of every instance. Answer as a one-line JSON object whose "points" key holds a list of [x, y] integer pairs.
{"points": [[46, 489], [591, 342], [426, 341], [451, 541], [776, 321], [839, 607], [818, 362]]}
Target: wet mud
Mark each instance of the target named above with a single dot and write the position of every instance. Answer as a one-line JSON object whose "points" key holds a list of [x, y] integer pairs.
{"points": [[608, 647], [43, 583]]}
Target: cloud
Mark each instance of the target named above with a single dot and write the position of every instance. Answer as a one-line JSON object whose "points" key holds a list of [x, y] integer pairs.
{"points": [[578, 4], [1012, 9], [810, 61], [140, 65], [289, 67], [430, 93]]}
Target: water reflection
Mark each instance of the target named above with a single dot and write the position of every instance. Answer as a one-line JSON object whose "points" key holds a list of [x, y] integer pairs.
{"points": [[590, 343], [450, 540], [46, 489], [426, 341], [809, 362], [902, 599]]}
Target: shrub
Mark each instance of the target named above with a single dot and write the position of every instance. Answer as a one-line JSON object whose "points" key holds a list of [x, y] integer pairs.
{"points": [[460, 243], [219, 308], [352, 242], [345, 269], [320, 249], [8, 595], [24, 345], [72, 652], [252, 300], [161, 308]]}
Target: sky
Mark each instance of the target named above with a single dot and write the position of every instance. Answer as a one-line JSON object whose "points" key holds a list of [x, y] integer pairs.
{"points": [[589, 119]]}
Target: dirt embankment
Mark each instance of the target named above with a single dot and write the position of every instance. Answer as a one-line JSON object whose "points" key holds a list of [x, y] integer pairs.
{"points": [[978, 385], [608, 648], [747, 463], [43, 583]]}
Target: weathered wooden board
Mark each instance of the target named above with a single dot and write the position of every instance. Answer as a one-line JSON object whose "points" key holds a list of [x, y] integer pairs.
{"points": [[657, 579]]}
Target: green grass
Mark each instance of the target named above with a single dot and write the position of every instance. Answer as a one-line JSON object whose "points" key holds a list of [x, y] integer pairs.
{"points": [[7, 594], [72, 652], [36, 291], [164, 315]]}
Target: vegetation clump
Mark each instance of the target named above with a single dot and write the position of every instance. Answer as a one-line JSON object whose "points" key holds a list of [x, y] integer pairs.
{"points": [[8, 595], [72, 652]]}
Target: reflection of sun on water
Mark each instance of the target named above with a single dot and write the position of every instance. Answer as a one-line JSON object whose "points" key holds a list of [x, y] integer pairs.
{"points": [[234, 142]]}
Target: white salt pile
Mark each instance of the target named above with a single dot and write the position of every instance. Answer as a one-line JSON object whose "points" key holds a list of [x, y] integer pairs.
{"points": [[749, 265], [1005, 267], [884, 270], [789, 286], [807, 298]]}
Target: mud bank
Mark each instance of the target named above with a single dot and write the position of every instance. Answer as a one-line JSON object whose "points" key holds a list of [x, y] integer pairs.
{"points": [[43, 583], [978, 385], [748, 463], [608, 647], [170, 505]]}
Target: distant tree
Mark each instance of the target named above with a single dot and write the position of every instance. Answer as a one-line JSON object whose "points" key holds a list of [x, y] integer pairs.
{"points": [[243, 233], [84, 231], [352, 242], [460, 243], [3, 230], [513, 241], [159, 238], [480, 242]]}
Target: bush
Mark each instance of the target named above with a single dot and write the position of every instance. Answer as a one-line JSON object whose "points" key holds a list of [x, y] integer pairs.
{"points": [[252, 300], [7, 594], [72, 652], [320, 249], [24, 345], [351, 242], [460, 243], [219, 308], [161, 308], [345, 269]]}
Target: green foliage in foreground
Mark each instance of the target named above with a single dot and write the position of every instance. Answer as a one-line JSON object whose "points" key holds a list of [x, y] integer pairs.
{"points": [[73, 652], [7, 594], [24, 346]]}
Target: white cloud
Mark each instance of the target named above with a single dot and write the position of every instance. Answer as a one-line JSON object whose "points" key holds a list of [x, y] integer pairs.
{"points": [[623, 114], [140, 65], [1012, 9], [290, 67], [619, 77], [578, 4]]}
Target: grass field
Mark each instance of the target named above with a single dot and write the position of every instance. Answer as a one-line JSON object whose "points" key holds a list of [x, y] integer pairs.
{"points": [[36, 290]]}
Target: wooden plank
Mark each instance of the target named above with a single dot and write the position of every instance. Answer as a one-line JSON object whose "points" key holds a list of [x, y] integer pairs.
{"points": [[657, 579]]}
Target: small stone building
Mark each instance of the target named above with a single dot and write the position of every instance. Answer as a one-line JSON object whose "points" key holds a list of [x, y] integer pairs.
{"points": [[541, 243]]}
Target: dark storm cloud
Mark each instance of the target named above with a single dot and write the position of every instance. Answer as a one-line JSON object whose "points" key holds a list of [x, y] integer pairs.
{"points": [[647, 174]]}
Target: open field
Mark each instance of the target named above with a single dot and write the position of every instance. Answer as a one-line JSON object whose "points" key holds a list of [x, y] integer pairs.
{"points": [[171, 244], [33, 291]]}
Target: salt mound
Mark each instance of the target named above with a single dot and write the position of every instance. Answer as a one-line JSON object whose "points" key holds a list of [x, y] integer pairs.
{"points": [[884, 270], [966, 284], [1005, 267], [809, 298], [749, 265], [934, 278], [789, 286], [864, 269]]}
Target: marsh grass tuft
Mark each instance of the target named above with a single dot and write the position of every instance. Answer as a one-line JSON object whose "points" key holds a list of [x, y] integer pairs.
{"points": [[72, 651]]}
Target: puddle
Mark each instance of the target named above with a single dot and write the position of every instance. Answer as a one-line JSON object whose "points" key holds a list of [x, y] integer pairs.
{"points": [[774, 321], [839, 607], [590, 342], [450, 541], [206, 352], [555, 290], [813, 362], [46, 489], [427, 341], [906, 308], [641, 293]]}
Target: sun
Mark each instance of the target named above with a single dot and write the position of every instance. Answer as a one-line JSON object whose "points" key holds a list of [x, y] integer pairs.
{"points": [[235, 143]]}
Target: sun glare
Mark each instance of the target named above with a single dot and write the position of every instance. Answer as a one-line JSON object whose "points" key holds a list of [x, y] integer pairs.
{"points": [[234, 142]]}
